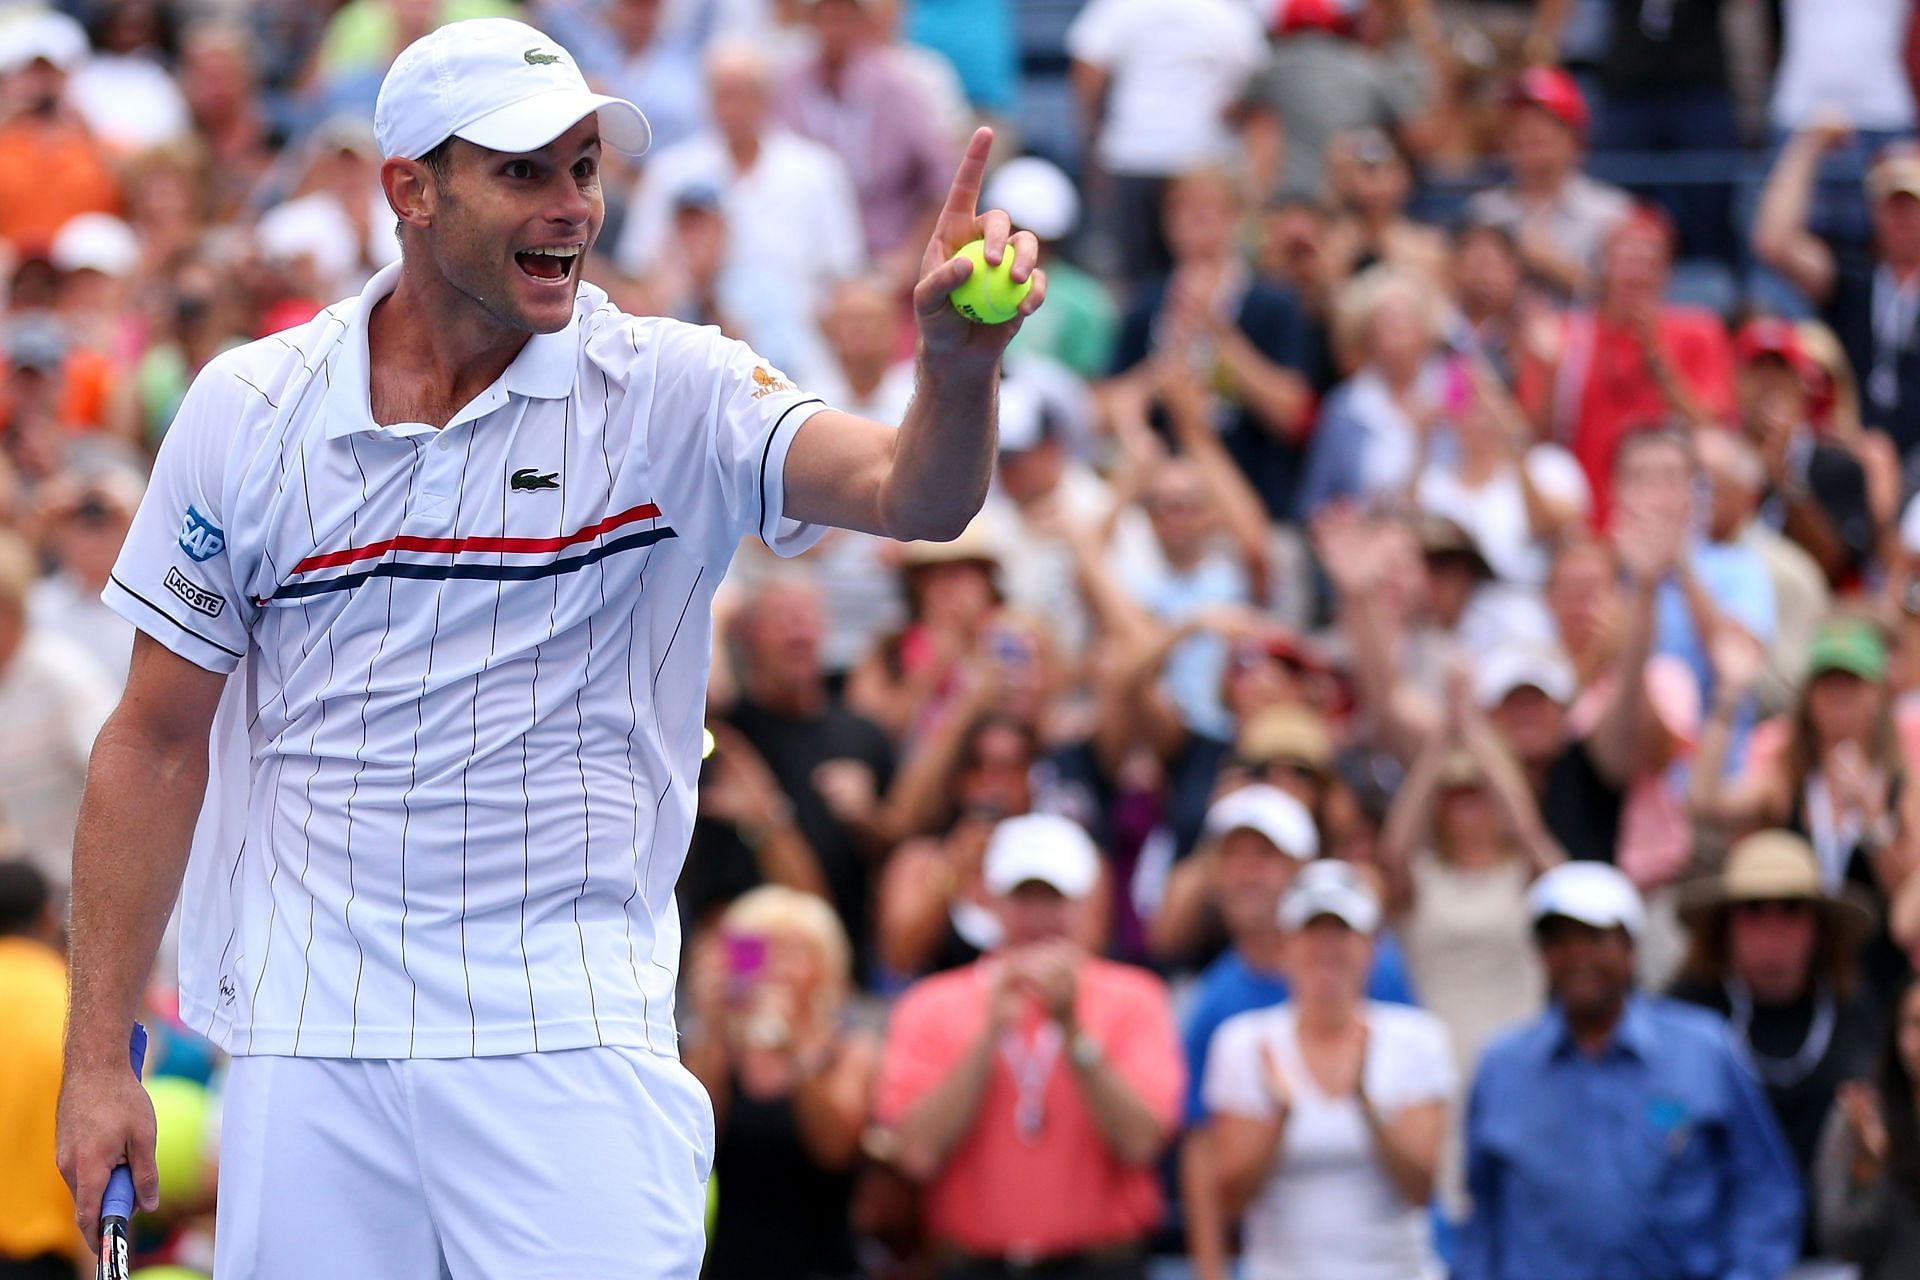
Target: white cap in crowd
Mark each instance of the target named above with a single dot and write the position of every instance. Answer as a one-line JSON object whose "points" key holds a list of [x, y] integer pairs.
{"points": [[1037, 196], [31, 34], [1270, 812], [1593, 893], [95, 242], [497, 83], [1041, 846], [1522, 665], [1330, 887]]}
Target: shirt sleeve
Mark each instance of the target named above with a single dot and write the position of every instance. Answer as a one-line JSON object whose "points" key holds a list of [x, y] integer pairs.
{"points": [[1234, 1083], [919, 1052], [1094, 37], [718, 432], [174, 579], [1146, 1054]]}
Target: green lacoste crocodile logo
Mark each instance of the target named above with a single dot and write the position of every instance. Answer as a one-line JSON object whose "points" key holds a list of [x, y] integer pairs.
{"points": [[535, 58], [528, 479]]}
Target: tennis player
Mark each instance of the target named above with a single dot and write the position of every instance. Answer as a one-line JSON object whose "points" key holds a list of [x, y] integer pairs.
{"points": [[433, 575]]}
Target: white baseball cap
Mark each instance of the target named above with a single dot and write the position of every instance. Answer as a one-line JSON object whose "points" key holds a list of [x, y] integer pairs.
{"points": [[499, 84], [1044, 847], [95, 242], [1593, 893], [1330, 887], [1037, 196], [41, 34], [1270, 812], [1522, 665]]}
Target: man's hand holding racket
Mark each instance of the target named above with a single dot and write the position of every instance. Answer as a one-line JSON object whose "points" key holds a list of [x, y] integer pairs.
{"points": [[106, 1122]]}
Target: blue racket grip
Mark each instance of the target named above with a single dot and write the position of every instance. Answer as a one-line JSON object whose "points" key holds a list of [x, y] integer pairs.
{"points": [[118, 1200]]}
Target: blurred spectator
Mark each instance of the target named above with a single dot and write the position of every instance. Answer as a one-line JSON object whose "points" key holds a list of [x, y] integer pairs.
{"points": [[1327, 1113], [1370, 181], [1629, 362], [1080, 323], [1845, 56], [1154, 79], [1463, 841], [1816, 482], [37, 1239], [220, 77], [857, 95], [861, 321], [1324, 78], [1245, 338], [978, 37], [788, 203], [832, 765], [203, 319], [791, 1082], [335, 223], [168, 205], [1774, 954], [1558, 216], [690, 280], [98, 258], [1514, 498], [1038, 1067], [1376, 429], [1495, 314], [52, 166], [124, 89], [1867, 1181], [1292, 252], [1736, 480], [363, 37], [85, 520], [1619, 1135], [1871, 299]]}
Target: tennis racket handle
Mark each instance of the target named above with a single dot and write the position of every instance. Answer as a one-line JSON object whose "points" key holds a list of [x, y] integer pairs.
{"points": [[113, 1251], [118, 1200]]}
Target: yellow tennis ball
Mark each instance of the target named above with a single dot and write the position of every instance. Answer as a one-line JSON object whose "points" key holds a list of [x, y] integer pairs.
{"points": [[989, 295]]}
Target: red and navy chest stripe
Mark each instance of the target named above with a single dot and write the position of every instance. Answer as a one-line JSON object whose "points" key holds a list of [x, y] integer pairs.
{"points": [[441, 559]]}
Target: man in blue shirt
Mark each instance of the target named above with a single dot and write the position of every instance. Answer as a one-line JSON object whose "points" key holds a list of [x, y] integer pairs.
{"points": [[1618, 1137]]}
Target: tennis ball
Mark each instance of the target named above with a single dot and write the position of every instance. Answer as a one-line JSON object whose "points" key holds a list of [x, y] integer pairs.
{"points": [[169, 1273], [180, 1113], [989, 295]]}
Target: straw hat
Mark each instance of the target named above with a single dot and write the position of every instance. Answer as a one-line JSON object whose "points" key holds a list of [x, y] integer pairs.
{"points": [[1772, 866]]}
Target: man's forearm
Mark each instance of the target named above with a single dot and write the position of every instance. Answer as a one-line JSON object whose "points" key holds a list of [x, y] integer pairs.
{"points": [[1126, 1125], [129, 853], [942, 455], [930, 1131]]}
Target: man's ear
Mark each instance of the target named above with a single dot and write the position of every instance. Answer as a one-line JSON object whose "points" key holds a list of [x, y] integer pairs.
{"points": [[412, 192]]}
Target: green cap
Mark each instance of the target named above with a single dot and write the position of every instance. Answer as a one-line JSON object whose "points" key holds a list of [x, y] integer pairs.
{"points": [[1852, 645]]}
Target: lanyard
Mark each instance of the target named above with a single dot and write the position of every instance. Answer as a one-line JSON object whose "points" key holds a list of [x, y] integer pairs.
{"points": [[1031, 1065], [1895, 307], [1783, 1073]]}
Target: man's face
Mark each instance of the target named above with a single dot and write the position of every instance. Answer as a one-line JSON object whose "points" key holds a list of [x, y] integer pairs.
{"points": [[1176, 503], [738, 98], [840, 25], [1035, 912], [1201, 217], [1582, 594], [1029, 475], [1326, 958], [1539, 147], [1487, 273], [862, 325], [496, 209], [1589, 970], [784, 633], [1654, 477], [1770, 945], [1896, 225], [1251, 875], [1635, 267], [35, 89]]}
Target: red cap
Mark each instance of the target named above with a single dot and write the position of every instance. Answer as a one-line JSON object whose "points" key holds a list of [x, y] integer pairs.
{"points": [[1335, 17], [1553, 91], [1772, 336]]}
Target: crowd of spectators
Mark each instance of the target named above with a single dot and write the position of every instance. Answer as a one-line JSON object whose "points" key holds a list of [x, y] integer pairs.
{"points": [[1407, 776]]}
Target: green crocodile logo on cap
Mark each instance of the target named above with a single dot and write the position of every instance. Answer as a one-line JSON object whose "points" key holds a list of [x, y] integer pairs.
{"points": [[535, 58]]}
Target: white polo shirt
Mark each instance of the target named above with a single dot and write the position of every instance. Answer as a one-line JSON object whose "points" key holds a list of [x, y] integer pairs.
{"points": [[453, 781]]}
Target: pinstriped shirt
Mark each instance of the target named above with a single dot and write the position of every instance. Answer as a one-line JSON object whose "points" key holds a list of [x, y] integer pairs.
{"points": [[453, 767]]}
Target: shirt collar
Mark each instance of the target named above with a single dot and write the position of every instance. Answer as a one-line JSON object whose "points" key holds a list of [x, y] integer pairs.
{"points": [[1633, 1034], [545, 369]]}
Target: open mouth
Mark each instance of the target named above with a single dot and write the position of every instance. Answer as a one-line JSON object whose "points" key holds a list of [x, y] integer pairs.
{"points": [[550, 264]]}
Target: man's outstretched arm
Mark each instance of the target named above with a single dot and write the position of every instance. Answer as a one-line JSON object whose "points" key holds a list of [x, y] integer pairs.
{"points": [[144, 786], [926, 478]]}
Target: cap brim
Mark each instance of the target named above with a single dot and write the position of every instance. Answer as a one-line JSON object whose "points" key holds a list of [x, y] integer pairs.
{"points": [[531, 123]]}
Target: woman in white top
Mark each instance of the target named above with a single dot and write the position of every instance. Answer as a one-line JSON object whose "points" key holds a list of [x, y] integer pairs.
{"points": [[1328, 1111]]}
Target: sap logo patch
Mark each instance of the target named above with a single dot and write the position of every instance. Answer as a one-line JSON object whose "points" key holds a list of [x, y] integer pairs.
{"points": [[195, 596], [200, 537]]}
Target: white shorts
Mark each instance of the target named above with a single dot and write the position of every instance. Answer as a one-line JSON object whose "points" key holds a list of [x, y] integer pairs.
{"points": [[587, 1164]]}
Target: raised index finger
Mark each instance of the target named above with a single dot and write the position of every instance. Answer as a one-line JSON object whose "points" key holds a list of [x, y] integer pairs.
{"points": [[963, 198]]}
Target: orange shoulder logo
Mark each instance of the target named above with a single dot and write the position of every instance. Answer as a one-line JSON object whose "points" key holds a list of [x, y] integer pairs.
{"points": [[768, 383]]}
